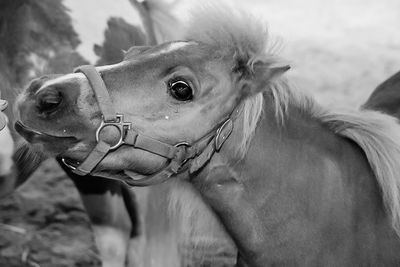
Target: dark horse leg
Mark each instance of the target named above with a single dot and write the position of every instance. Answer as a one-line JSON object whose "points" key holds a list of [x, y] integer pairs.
{"points": [[113, 213]]}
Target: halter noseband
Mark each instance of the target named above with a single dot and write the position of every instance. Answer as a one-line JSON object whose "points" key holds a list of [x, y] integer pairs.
{"points": [[198, 153]]}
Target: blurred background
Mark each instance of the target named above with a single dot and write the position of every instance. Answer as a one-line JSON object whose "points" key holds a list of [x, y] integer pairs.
{"points": [[340, 50]]}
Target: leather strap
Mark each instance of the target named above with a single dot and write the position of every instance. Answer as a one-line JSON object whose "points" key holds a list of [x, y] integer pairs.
{"points": [[173, 168], [194, 157], [94, 158], [151, 145], [223, 132], [101, 92]]}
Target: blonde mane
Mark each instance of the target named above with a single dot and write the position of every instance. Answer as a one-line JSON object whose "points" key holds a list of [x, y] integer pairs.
{"points": [[243, 37], [235, 34], [377, 134]]}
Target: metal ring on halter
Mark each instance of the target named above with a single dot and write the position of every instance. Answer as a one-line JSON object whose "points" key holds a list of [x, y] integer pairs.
{"points": [[182, 144], [72, 167], [179, 155], [120, 125]]}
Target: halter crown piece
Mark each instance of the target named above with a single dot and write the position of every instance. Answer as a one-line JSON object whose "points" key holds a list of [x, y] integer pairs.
{"points": [[181, 156]]}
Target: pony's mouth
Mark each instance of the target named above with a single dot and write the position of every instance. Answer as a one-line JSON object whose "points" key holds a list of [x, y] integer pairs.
{"points": [[35, 136], [32, 136]]}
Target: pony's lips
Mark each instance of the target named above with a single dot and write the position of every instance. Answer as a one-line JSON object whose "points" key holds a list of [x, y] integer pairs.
{"points": [[31, 135]]}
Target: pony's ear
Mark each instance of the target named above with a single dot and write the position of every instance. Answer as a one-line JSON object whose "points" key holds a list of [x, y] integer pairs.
{"points": [[261, 74]]}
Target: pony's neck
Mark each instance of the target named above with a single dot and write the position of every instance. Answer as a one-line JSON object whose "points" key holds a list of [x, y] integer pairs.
{"points": [[294, 183]]}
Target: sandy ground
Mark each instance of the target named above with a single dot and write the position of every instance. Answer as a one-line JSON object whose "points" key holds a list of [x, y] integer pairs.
{"points": [[340, 50]]}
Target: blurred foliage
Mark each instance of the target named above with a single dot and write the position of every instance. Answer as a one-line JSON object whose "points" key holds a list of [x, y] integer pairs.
{"points": [[36, 37], [31, 33], [118, 36]]}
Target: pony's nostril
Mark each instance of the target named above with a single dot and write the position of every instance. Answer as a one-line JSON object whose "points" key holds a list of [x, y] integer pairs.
{"points": [[48, 100]]}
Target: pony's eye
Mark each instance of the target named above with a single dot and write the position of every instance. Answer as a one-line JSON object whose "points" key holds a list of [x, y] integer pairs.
{"points": [[180, 90]]}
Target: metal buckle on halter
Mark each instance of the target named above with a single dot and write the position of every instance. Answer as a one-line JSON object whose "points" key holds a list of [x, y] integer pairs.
{"points": [[118, 123], [223, 133], [186, 145]]}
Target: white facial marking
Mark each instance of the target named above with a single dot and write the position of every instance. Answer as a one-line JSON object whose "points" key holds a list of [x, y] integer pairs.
{"points": [[166, 117], [171, 47], [64, 79]]}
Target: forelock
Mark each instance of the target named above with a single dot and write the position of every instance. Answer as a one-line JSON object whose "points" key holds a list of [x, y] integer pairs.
{"points": [[232, 32]]}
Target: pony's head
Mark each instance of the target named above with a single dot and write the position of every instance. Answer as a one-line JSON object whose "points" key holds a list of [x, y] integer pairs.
{"points": [[174, 92]]}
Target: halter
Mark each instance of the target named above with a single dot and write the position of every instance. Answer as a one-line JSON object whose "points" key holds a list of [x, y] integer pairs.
{"points": [[178, 155]]}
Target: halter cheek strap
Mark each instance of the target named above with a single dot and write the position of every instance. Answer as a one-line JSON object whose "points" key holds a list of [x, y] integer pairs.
{"points": [[109, 116], [179, 156]]}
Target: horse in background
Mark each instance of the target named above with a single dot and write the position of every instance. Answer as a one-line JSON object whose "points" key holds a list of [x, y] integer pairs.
{"points": [[386, 97], [292, 182]]}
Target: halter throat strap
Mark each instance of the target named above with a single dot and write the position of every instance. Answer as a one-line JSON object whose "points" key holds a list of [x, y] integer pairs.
{"points": [[181, 156]]}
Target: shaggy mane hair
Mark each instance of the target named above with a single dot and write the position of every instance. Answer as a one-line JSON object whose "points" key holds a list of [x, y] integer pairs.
{"points": [[242, 37]]}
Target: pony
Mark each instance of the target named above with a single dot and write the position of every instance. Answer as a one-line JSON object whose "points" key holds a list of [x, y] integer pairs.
{"points": [[111, 207], [213, 119]]}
